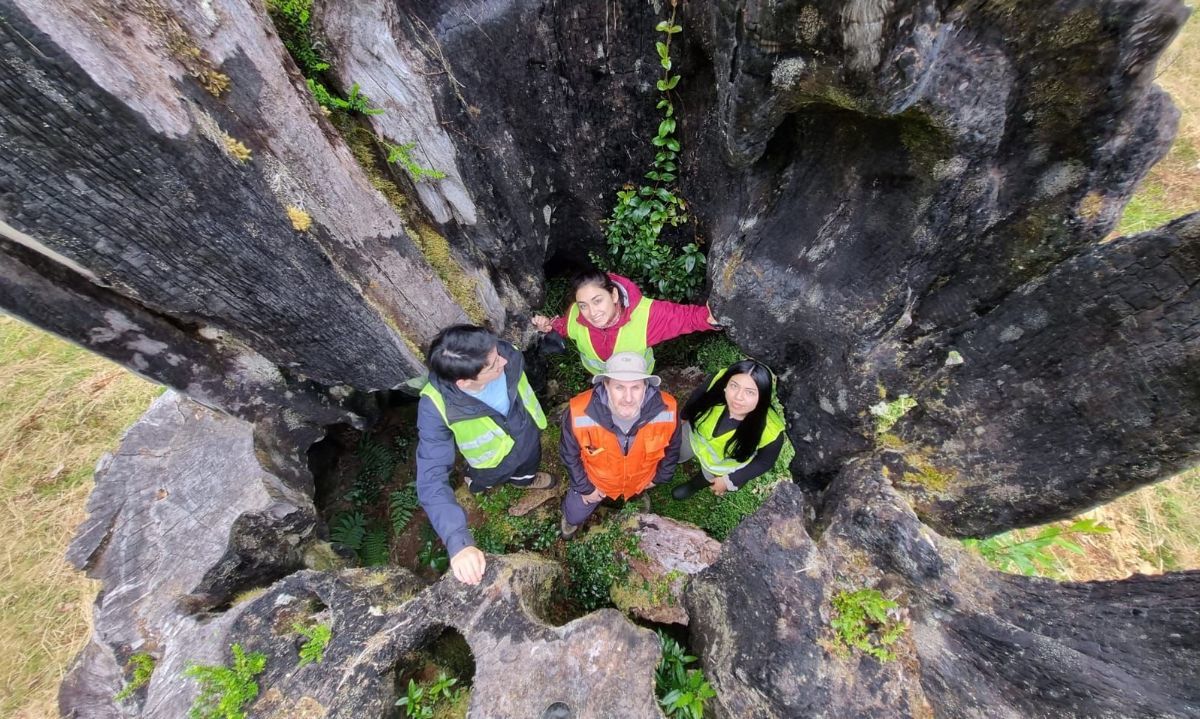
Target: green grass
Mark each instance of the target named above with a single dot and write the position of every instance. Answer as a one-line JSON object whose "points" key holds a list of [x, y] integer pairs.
{"points": [[719, 515], [61, 407], [1147, 209], [1172, 187]]}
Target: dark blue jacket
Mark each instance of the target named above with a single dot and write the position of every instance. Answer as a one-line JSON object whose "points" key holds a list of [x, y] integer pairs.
{"points": [[436, 449]]}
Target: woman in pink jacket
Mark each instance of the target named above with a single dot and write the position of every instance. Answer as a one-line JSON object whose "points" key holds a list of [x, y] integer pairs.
{"points": [[611, 315]]}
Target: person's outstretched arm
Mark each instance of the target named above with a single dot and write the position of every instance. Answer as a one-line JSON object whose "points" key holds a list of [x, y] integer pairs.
{"points": [[669, 320], [435, 460]]}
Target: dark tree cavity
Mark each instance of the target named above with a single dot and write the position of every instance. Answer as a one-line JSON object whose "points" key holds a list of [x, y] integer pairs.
{"points": [[896, 197]]}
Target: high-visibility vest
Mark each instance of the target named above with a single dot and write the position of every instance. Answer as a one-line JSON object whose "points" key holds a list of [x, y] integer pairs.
{"points": [[613, 472], [480, 439], [630, 338], [710, 450]]}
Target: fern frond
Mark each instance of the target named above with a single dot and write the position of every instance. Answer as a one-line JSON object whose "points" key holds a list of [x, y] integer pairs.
{"points": [[402, 504], [375, 550], [349, 530]]}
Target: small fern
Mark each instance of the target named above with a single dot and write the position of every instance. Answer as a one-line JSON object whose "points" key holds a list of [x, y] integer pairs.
{"points": [[402, 504], [402, 155], [864, 621], [349, 529], [375, 551], [376, 465], [377, 460], [225, 691], [313, 650], [142, 666]]}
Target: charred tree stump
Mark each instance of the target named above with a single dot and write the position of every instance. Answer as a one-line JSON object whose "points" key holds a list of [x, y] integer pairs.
{"points": [[896, 198]]}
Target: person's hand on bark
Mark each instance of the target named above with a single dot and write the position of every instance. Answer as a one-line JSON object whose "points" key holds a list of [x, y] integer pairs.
{"points": [[593, 497], [541, 323], [468, 565], [711, 319]]}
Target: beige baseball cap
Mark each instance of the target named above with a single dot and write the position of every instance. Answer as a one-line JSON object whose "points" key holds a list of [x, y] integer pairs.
{"points": [[626, 367]]}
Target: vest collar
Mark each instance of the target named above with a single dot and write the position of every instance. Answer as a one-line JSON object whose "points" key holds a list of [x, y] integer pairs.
{"points": [[598, 409]]}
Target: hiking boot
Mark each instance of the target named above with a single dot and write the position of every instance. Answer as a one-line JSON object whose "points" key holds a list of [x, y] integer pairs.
{"points": [[566, 530], [687, 489], [541, 480]]}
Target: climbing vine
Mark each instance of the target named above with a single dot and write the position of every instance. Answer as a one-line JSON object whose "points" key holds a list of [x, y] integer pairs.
{"points": [[634, 229]]}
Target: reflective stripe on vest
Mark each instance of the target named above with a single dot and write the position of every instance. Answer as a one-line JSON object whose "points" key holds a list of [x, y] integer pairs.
{"points": [[482, 442], [632, 337], [710, 450], [613, 472]]}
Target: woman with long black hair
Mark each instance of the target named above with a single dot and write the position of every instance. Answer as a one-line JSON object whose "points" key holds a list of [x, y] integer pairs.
{"points": [[735, 433]]}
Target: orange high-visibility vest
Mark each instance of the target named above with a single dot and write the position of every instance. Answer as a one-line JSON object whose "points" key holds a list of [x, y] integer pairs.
{"points": [[613, 473]]}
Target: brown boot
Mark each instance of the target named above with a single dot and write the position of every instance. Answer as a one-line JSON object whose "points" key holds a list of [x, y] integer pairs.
{"points": [[541, 480]]}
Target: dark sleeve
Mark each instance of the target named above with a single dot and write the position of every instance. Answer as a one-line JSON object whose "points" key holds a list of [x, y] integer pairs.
{"points": [[695, 395], [435, 459], [666, 467], [568, 451], [761, 462]]}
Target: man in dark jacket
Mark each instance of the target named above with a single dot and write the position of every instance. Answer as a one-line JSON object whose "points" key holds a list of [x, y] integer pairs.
{"points": [[618, 438], [478, 401]]}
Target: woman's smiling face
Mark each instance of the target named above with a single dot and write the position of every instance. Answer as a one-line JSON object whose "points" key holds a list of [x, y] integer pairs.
{"points": [[601, 308]]}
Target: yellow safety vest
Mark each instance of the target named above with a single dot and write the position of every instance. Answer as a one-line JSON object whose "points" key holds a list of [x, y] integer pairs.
{"points": [[482, 442], [710, 450], [630, 338]]}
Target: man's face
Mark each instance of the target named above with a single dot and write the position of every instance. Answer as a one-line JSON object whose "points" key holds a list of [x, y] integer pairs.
{"points": [[625, 397], [492, 369]]}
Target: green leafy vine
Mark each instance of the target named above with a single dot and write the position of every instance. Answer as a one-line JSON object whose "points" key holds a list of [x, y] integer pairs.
{"points": [[633, 230]]}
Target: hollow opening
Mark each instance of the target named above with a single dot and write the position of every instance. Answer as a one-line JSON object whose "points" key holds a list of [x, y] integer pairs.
{"points": [[436, 679], [366, 493]]}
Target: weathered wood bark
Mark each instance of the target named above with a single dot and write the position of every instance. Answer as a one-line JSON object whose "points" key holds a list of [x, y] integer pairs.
{"points": [[120, 166], [878, 184], [976, 644], [909, 168], [186, 476]]}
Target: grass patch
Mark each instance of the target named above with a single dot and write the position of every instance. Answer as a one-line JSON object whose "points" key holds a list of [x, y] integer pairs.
{"points": [[718, 516], [1172, 187], [1155, 529], [1031, 555], [61, 407]]}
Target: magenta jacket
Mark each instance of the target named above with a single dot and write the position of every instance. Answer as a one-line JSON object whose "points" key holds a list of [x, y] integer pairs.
{"points": [[667, 319]]}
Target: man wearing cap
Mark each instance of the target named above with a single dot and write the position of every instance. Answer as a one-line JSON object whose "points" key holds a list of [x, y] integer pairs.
{"points": [[479, 402], [618, 438]]}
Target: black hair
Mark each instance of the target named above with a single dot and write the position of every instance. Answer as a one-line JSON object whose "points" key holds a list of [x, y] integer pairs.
{"points": [[460, 352], [748, 434], [583, 278]]}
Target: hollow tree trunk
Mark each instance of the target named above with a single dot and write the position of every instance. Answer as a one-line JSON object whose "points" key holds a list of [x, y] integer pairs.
{"points": [[884, 189], [121, 170]]}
